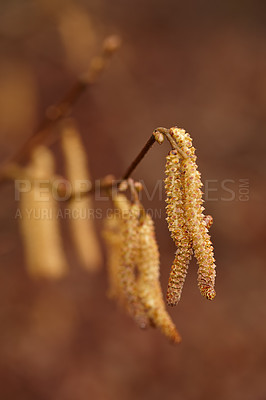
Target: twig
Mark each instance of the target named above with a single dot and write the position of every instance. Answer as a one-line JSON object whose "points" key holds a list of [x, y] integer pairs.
{"points": [[154, 137], [63, 107], [16, 172], [139, 157]]}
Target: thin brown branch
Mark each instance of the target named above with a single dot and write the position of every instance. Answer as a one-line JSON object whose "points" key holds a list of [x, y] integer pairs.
{"points": [[139, 157], [107, 184], [16, 172]]}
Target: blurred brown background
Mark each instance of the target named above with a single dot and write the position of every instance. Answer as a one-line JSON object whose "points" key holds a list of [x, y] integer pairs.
{"points": [[200, 65]]}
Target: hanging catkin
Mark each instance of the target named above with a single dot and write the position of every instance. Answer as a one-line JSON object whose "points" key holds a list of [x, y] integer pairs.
{"points": [[148, 283], [193, 212], [177, 227], [112, 235], [128, 215], [39, 223], [81, 209]]}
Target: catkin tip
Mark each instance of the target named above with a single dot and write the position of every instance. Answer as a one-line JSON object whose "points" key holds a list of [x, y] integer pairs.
{"points": [[171, 301], [208, 293], [176, 338]]}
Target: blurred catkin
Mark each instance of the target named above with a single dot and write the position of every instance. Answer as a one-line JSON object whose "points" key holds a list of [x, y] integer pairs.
{"points": [[129, 221], [133, 266], [39, 223], [77, 34], [81, 208], [112, 235], [148, 282]]}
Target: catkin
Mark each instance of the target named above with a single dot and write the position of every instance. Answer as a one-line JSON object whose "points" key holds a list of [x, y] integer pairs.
{"points": [[39, 223], [112, 235], [81, 219], [148, 283], [177, 227], [133, 266], [193, 212], [129, 219]]}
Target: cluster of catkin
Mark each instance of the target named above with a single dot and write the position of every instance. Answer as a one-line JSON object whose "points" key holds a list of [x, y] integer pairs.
{"points": [[187, 224], [132, 250], [41, 212], [133, 266]]}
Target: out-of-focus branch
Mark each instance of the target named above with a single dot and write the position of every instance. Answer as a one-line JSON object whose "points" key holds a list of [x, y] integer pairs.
{"points": [[63, 107], [16, 172]]}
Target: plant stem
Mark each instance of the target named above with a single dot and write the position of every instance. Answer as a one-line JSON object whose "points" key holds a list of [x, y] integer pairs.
{"points": [[109, 184], [139, 157], [15, 172]]}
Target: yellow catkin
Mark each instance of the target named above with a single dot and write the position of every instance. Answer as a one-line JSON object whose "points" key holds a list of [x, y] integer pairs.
{"points": [[129, 221], [193, 211], [148, 283], [81, 209], [39, 223], [112, 235], [177, 227], [179, 269]]}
